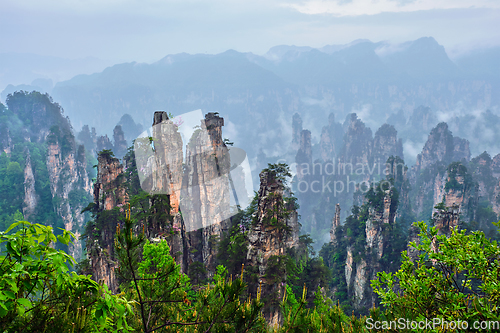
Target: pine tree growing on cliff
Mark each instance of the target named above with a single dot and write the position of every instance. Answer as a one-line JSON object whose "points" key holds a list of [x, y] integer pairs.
{"points": [[165, 299]]}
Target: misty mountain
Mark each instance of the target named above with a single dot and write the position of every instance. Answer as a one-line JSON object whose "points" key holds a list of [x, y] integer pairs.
{"points": [[483, 63], [26, 71], [378, 81], [227, 82], [375, 80], [422, 59]]}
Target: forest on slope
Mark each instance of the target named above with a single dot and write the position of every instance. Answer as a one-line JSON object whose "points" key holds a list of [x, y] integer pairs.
{"points": [[258, 269], [40, 293]]}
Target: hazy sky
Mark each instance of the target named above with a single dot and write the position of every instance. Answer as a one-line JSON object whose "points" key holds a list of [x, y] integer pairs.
{"points": [[147, 30]]}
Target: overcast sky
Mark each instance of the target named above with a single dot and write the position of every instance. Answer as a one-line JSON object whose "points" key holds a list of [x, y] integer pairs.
{"points": [[147, 30]]}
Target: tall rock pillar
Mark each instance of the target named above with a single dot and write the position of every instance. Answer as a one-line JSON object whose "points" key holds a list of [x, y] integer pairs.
{"points": [[206, 191], [335, 225], [275, 228]]}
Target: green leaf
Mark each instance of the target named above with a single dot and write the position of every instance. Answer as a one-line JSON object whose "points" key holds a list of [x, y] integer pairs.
{"points": [[15, 224], [9, 294], [24, 302], [3, 310], [41, 238]]}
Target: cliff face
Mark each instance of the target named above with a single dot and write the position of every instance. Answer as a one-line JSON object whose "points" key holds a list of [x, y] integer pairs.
{"points": [[441, 146], [444, 219], [205, 192], [196, 191], [429, 177], [495, 168], [366, 243], [166, 163], [398, 172], [5, 139], [447, 219], [335, 225], [486, 172], [472, 186], [54, 166], [457, 188], [374, 225], [30, 196], [422, 119], [380, 218], [161, 175], [109, 192], [304, 155], [274, 229], [166, 176], [103, 143], [120, 146], [88, 138], [358, 142], [386, 144], [350, 159], [269, 238], [74, 186], [331, 139]]}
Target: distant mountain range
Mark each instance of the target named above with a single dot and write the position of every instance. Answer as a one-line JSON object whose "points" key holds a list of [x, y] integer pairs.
{"points": [[259, 94], [26, 71]]}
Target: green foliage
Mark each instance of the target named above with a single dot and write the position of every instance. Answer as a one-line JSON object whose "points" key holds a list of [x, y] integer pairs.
{"points": [[11, 190], [102, 224], [457, 169], [323, 317], [197, 273], [352, 235], [304, 269], [12, 185], [440, 206], [165, 300], [38, 111], [39, 294], [282, 206], [78, 197], [458, 281], [106, 153], [280, 171], [484, 217], [233, 248], [132, 176], [28, 117]]}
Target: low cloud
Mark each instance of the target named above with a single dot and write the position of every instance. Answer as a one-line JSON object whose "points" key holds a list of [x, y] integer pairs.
{"points": [[370, 7], [388, 49], [411, 150]]}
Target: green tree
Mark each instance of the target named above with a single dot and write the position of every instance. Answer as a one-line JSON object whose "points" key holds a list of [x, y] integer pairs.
{"points": [[39, 294], [281, 171], [165, 300], [323, 317], [453, 278]]}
